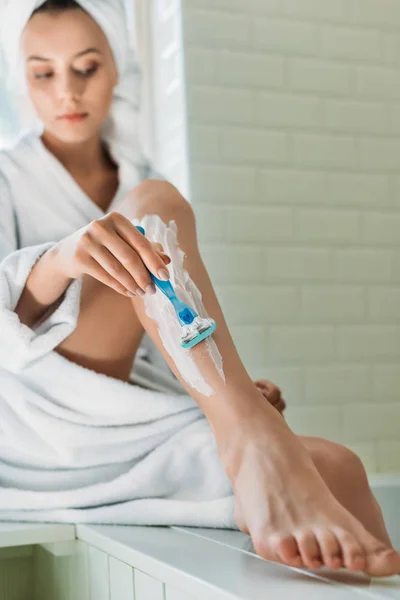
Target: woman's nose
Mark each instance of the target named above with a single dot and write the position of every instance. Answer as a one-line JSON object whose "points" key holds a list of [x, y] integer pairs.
{"points": [[68, 87]]}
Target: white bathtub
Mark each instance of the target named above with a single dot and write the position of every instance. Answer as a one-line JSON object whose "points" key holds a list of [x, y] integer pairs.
{"points": [[386, 489], [99, 562]]}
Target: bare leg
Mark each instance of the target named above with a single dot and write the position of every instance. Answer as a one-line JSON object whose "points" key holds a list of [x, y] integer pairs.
{"points": [[108, 332], [326, 517], [106, 339], [348, 536]]}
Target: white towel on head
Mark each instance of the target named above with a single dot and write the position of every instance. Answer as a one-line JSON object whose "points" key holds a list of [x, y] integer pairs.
{"points": [[121, 130]]}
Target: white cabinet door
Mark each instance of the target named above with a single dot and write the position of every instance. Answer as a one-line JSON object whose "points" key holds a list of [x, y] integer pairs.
{"points": [[148, 588], [60, 571], [16, 573], [172, 593], [121, 580], [99, 580]]}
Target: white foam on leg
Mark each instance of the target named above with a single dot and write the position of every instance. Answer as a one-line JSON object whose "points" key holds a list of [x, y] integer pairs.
{"points": [[160, 309]]}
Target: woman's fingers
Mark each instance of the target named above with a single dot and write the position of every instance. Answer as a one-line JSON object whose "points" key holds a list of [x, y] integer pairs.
{"points": [[144, 248], [112, 250], [280, 406], [165, 258], [105, 235], [95, 270], [115, 269], [261, 383], [272, 393], [158, 247]]}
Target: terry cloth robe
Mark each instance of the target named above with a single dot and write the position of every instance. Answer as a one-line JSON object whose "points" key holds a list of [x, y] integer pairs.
{"points": [[77, 446]]}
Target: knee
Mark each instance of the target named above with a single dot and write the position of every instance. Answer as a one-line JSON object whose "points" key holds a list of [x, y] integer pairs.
{"points": [[159, 197], [339, 463]]}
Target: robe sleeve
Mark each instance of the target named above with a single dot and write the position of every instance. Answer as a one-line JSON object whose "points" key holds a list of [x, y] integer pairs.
{"points": [[20, 344], [151, 173]]}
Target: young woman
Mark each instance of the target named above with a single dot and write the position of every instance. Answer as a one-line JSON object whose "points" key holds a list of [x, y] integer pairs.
{"points": [[81, 438]]}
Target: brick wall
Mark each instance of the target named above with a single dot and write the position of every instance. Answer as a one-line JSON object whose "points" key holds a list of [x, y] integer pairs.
{"points": [[293, 129]]}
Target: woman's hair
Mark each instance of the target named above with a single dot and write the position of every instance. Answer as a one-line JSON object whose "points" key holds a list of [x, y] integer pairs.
{"points": [[56, 6]]}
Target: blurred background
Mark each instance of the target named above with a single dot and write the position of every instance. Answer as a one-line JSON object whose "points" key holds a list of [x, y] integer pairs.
{"points": [[280, 121]]}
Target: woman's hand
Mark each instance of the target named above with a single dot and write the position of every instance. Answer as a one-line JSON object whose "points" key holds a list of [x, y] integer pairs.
{"points": [[112, 250], [272, 393]]}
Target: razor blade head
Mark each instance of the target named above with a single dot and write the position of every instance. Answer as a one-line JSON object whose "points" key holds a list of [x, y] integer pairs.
{"points": [[199, 337]]}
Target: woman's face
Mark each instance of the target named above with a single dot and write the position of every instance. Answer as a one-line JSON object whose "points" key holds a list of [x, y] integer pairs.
{"points": [[70, 70]]}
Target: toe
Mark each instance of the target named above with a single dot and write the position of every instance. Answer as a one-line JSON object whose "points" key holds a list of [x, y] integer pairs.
{"points": [[264, 547], [352, 551], [285, 547], [309, 549], [331, 551], [381, 561]]}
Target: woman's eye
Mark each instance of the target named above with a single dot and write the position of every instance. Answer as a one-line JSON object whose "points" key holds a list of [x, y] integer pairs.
{"points": [[87, 72], [43, 75], [83, 73]]}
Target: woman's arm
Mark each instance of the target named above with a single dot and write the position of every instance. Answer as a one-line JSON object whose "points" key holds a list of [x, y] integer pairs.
{"points": [[45, 283], [43, 290], [19, 343], [109, 249], [40, 285]]}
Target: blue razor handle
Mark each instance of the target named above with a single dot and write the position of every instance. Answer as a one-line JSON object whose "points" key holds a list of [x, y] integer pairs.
{"points": [[185, 314]]}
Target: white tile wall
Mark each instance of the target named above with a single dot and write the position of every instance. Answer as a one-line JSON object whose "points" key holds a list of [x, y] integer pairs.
{"points": [[293, 130], [168, 93]]}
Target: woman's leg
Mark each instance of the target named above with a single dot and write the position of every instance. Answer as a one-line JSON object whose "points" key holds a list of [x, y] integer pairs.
{"points": [[108, 332], [164, 200], [345, 476]]}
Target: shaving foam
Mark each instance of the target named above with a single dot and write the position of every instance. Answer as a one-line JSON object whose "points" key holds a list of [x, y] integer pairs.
{"points": [[160, 309]]}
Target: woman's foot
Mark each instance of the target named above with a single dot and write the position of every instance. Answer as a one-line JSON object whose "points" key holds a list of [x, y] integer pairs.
{"points": [[345, 475], [332, 538], [284, 504]]}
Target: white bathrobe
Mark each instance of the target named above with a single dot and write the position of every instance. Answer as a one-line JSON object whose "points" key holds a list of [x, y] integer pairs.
{"points": [[77, 446]]}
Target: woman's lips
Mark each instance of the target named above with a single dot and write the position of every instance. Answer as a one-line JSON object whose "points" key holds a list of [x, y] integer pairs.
{"points": [[74, 118]]}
